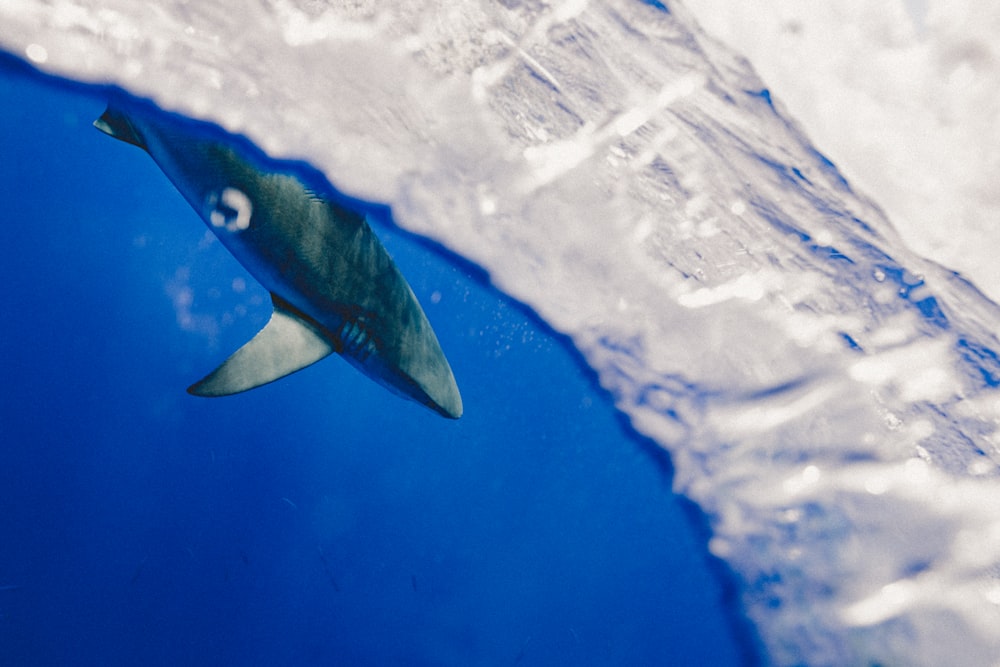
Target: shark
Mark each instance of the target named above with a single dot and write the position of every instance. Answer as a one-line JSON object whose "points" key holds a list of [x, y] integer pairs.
{"points": [[333, 285]]}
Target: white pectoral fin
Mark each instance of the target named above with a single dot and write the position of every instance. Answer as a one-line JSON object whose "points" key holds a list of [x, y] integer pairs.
{"points": [[285, 345]]}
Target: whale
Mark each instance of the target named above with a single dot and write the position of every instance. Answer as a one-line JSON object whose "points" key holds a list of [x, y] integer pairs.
{"points": [[333, 285]]}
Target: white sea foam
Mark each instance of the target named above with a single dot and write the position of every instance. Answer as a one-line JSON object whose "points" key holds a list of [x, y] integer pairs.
{"points": [[827, 397], [902, 94]]}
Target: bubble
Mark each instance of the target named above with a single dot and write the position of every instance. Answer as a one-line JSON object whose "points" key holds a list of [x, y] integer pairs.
{"points": [[487, 206], [36, 53], [877, 485]]}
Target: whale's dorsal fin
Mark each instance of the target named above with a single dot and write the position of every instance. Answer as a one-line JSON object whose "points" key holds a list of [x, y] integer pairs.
{"points": [[116, 124], [286, 344]]}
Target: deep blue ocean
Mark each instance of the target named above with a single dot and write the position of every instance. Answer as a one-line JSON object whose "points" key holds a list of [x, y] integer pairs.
{"points": [[319, 520]]}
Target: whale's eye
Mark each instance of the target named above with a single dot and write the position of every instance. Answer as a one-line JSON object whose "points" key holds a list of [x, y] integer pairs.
{"points": [[231, 209]]}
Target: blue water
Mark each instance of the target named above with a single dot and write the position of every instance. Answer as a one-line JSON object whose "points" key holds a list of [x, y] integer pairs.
{"points": [[319, 520]]}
